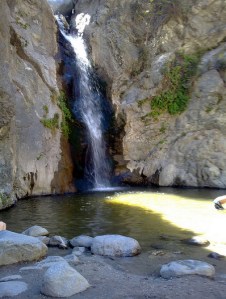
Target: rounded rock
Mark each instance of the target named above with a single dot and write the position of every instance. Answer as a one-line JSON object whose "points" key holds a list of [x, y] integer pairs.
{"points": [[61, 280], [115, 245], [36, 231], [186, 267]]}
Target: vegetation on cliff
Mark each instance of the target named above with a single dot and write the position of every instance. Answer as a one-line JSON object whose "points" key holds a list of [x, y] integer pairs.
{"points": [[175, 88]]}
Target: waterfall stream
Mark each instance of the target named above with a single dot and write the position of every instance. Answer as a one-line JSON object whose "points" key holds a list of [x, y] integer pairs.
{"points": [[88, 105]]}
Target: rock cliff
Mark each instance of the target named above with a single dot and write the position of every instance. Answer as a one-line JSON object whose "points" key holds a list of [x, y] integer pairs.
{"points": [[146, 50], [31, 145]]}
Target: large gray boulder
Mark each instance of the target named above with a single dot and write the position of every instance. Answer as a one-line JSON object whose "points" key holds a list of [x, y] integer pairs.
{"points": [[16, 248], [115, 245], [186, 267], [36, 231], [61, 280]]}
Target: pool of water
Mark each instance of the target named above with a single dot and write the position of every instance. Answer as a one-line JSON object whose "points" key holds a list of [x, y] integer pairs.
{"points": [[149, 215], [158, 218]]}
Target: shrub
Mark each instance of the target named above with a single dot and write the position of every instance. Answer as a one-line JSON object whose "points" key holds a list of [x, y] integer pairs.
{"points": [[51, 123], [66, 114], [175, 91]]}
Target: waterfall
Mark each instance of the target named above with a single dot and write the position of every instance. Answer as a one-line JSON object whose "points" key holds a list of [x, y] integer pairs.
{"points": [[87, 106]]}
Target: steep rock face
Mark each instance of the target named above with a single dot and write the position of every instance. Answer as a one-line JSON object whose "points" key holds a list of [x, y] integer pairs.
{"points": [[29, 151], [131, 46]]}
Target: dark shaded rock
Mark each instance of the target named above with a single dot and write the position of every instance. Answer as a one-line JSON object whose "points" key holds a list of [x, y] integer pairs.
{"points": [[216, 255], [196, 241]]}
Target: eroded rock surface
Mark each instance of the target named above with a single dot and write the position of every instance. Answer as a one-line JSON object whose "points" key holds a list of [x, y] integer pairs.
{"points": [[130, 47], [30, 152]]}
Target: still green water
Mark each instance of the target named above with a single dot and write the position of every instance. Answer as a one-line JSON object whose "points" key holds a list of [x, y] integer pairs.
{"points": [[148, 215]]}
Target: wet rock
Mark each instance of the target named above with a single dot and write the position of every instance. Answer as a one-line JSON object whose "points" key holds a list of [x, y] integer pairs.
{"points": [[186, 267], [61, 280], [58, 241], [36, 231], [115, 245], [12, 288], [197, 241], [16, 248], [82, 241], [216, 255]]}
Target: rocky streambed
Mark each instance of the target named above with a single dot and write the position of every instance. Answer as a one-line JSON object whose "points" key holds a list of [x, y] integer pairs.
{"points": [[107, 266]]}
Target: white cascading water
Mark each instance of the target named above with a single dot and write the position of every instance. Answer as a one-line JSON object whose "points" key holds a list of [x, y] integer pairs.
{"points": [[88, 105]]}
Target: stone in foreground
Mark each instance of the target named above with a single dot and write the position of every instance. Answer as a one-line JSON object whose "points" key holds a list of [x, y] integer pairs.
{"points": [[187, 267], [15, 248], [36, 231], [115, 245], [61, 280], [12, 288], [82, 241]]}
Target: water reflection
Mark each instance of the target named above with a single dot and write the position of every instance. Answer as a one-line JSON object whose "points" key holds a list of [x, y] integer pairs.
{"points": [[142, 214]]}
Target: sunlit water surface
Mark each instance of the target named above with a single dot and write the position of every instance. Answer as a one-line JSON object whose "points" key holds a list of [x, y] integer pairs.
{"points": [[146, 215]]}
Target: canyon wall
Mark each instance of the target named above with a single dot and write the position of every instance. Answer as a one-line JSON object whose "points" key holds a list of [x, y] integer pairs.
{"points": [[34, 156], [144, 51]]}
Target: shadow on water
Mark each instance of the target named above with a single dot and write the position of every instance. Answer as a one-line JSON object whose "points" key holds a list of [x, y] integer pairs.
{"points": [[159, 219]]}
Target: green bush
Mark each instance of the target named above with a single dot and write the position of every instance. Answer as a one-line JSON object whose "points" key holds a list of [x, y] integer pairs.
{"points": [[46, 109], [66, 114], [51, 123], [175, 92]]}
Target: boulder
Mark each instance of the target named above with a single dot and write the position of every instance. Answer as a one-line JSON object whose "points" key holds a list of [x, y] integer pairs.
{"points": [[12, 288], [115, 245], [36, 231], [82, 241], [186, 267], [16, 248], [61, 280]]}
